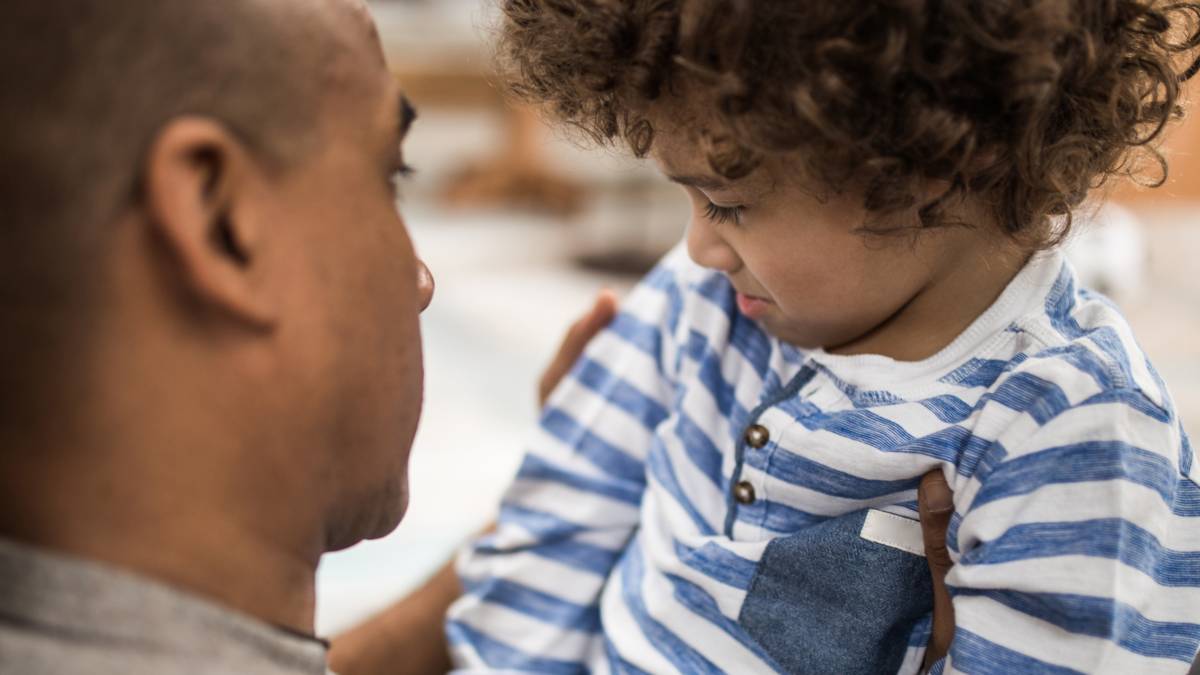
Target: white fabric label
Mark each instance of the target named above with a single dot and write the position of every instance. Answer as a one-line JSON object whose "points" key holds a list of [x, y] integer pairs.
{"points": [[895, 531]]}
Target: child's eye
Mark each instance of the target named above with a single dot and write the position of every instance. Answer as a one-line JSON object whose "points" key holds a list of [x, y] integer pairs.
{"points": [[724, 214]]}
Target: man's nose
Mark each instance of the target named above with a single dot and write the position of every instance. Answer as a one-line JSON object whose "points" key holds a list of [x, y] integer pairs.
{"points": [[425, 285]]}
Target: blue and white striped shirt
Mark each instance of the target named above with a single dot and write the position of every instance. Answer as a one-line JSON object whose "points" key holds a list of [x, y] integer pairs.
{"points": [[701, 498]]}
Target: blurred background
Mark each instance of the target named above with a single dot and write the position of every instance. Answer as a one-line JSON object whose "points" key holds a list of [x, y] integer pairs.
{"points": [[522, 228]]}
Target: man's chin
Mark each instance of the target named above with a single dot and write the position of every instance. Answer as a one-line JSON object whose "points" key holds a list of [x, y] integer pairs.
{"points": [[376, 520]]}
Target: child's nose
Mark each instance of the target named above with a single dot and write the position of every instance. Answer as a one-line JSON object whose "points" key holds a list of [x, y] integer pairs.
{"points": [[708, 249]]}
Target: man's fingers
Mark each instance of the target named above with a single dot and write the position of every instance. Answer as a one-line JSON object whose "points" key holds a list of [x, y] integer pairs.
{"points": [[935, 503], [576, 341], [934, 495], [590, 324]]}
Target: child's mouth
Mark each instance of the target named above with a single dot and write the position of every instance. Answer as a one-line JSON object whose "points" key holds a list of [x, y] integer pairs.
{"points": [[753, 307]]}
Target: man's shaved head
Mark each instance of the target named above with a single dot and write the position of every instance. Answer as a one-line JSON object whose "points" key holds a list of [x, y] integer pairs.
{"points": [[88, 83]]}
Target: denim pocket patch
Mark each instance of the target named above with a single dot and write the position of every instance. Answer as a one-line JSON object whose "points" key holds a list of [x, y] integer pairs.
{"points": [[841, 597]]}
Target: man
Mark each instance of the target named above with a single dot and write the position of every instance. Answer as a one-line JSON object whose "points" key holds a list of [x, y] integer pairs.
{"points": [[208, 327]]}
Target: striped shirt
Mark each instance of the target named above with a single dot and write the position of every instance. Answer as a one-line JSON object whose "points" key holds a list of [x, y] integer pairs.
{"points": [[703, 498]]}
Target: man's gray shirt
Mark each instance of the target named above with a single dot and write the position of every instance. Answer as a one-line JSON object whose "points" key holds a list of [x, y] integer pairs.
{"points": [[63, 616]]}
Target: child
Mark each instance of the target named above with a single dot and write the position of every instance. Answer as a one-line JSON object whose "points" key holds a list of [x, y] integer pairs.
{"points": [[726, 482]]}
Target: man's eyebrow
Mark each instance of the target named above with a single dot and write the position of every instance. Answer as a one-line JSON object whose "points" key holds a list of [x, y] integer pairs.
{"points": [[407, 115], [700, 182]]}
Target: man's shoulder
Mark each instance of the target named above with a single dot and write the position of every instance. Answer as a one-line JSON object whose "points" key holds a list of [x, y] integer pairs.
{"points": [[35, 648], [65, 614], [64, 655]]}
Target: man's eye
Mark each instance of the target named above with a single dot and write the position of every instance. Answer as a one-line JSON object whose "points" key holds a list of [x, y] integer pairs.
{"points": [[401, 174], [724, 214]]}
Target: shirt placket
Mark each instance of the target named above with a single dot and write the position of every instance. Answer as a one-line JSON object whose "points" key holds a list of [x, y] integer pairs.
{"points": [[755, 437]]}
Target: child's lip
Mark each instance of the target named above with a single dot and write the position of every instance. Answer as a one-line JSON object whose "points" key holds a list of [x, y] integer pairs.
{"points": [[752, 306]]}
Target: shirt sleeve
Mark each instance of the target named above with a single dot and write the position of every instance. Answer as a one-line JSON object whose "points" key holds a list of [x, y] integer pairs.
{"points": [[1078, 546], [532, 588]]}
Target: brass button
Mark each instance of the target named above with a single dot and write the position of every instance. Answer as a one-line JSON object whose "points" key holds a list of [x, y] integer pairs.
{"points": [[757, 436], [743, 492]]}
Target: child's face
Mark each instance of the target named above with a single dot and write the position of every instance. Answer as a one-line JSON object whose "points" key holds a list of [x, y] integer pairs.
{"points": [[795, 256]]}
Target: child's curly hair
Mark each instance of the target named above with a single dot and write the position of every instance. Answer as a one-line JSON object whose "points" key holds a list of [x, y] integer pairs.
{"points": [[1030, 103]]}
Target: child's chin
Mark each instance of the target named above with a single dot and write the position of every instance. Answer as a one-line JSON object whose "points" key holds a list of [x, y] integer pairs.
{"points": [[792, 335]]}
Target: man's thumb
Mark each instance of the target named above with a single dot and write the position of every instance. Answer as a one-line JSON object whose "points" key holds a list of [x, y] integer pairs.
{"points": [[935, 503]]}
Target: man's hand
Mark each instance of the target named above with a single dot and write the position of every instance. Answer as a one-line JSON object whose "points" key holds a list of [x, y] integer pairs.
{"points": [[577, 339], [935, 505], [405, 639]]}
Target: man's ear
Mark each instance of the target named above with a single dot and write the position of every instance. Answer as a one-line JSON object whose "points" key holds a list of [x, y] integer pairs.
{"points": [[196, 182]]}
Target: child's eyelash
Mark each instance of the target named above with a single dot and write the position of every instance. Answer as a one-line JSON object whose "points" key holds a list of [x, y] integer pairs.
{"points": [[724, 214]]}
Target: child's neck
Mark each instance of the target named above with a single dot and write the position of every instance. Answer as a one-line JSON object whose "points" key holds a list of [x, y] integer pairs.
{"points": [[964, 288]]}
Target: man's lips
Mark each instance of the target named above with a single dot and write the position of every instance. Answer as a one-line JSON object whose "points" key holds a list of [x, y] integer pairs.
{"points": [[752, 306]]}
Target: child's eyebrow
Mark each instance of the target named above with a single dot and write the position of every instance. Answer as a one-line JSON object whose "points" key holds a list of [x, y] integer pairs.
{"points": [[701, 182]]}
